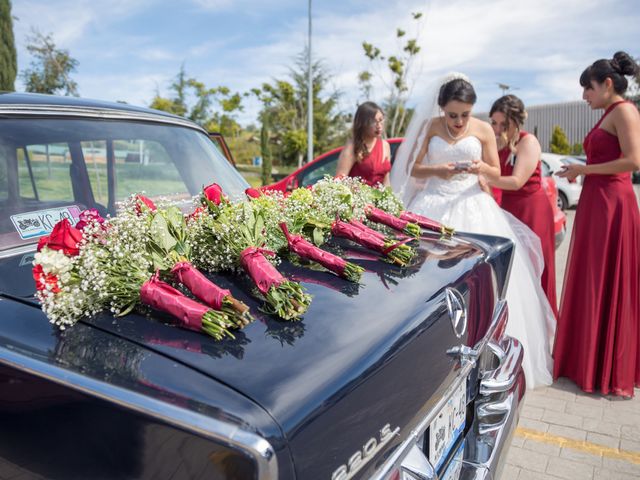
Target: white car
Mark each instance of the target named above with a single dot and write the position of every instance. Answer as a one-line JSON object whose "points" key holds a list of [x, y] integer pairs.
{"points": [[568, 192]]}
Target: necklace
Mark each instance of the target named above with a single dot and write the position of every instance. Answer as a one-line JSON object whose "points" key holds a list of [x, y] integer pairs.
{"points": [[451, 136]]}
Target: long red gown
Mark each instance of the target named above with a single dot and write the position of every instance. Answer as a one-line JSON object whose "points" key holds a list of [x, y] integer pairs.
{"points": [[531, 206], [372, 168], [598, 329]]}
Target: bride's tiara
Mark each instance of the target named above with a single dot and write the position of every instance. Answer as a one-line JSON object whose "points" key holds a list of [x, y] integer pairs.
{"points": [[454, 76]]}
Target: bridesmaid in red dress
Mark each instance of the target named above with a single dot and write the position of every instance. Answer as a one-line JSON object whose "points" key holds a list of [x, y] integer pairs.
{"points": [[597, 342], [366, 155], [522, 194]]}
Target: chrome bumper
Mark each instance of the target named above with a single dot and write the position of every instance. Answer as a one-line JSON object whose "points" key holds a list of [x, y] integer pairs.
{"points": [[497, 410], [500, 389]]}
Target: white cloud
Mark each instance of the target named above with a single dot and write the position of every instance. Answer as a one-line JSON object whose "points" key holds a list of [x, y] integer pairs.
{"points": [[538, 46]]}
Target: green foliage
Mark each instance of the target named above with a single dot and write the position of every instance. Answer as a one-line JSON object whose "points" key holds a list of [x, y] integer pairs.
{"points": [[577, 149], [559, 142], [214, 108], [51, 68], [395, 72], [284, 106], [8, 60]]}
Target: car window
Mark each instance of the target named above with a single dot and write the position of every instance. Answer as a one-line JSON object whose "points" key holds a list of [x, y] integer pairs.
{"points": [[394, 149], [43, 172], [52, 168], [316, 172]]}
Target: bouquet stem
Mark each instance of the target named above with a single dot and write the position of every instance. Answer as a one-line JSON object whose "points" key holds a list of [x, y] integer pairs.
{"points": [[427, 223], [396, 251], [402, 225], [337, 265], [284, 298], [211, 294], [189, 313]]}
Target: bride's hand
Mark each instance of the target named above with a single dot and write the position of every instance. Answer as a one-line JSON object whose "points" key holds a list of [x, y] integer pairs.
{"points": [[446, 170], [477, 167]]}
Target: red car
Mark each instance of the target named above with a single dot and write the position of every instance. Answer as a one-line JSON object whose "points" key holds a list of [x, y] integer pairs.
{"points": [[326, 164]]}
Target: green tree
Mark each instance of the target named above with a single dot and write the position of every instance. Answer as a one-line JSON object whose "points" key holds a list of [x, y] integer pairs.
{"points": [[8, 59], [51, 68], [284, 106], [396, 73], [194, 100], [559, 142]]}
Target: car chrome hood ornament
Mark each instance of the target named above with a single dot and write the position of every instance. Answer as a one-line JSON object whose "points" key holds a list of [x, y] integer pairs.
{"points": [[457, 308]]}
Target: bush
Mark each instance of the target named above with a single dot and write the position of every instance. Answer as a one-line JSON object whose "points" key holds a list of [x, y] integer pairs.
{"points": [[559, 142]]}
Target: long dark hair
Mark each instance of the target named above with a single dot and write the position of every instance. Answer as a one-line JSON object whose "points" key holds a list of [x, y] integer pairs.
{"points": [[513, 110], [457, 89], [365, 115], [616, 69]]}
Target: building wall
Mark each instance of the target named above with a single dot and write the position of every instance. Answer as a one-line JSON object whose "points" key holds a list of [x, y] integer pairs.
{"points": [[575, 118]]}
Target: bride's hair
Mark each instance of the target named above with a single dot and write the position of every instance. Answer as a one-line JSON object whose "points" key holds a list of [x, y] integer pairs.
{"points": [[457, 89], [365, 115], [616, 68], [513, 109]]}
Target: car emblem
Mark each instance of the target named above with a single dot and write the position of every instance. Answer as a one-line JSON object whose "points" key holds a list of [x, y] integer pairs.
{"points": [[457, 308]]}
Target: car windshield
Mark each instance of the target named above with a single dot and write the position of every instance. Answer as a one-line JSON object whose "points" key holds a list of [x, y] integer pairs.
{"points": [[54, 168]]}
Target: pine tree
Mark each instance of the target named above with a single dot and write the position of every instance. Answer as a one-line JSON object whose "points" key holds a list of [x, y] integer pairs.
{"points": [[8, 59], [559, 142]]}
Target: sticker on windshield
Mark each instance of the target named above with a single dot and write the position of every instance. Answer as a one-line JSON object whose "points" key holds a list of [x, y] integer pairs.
{"points": [[41, 222]]}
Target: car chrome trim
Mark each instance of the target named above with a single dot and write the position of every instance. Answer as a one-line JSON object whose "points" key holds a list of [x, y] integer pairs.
{"points": [[500, 311], [457, 309], [95, 112], [233, 436], [21, 250]]}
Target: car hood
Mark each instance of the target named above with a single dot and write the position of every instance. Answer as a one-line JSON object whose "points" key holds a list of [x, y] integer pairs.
{"points": [[363, 356]]}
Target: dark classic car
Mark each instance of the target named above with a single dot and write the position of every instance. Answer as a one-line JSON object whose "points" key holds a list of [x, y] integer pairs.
{"points": [[407, 375]]}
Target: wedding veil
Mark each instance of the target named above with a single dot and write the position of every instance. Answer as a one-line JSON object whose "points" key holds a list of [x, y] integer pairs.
{"points": [[404, 185]]}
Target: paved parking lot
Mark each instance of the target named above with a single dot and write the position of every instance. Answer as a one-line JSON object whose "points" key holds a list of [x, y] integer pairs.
{"points": [[565, 433]]}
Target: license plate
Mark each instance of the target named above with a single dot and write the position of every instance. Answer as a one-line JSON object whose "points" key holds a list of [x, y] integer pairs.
{"points": [[447, 426]]}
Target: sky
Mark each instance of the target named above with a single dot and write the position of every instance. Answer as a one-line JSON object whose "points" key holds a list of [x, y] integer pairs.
{"points": [[130, 49]]}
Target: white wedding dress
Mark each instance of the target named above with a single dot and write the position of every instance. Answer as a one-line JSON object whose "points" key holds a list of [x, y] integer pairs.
{"points": [[460, 203]]}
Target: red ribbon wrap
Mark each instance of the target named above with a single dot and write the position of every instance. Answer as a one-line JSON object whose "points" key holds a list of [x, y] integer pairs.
{"points": [[424, 222], [358, 234], [263, 273], [164, 297], [380, 216], [201, 287], [365, 236], [363, 227], [306, 249]]}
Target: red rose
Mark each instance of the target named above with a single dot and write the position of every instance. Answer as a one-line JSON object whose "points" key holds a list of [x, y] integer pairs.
{"points": [[213, 193], [253, 192], [43, 280], [63, 237], [141, 199], [43, 242], [87, 216]]}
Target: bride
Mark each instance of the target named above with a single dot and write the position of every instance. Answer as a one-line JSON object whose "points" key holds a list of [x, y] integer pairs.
{"points": [[436, 174]]}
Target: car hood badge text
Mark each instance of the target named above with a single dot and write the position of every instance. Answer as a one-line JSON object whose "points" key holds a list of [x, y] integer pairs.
{"points": [[360, 458]]}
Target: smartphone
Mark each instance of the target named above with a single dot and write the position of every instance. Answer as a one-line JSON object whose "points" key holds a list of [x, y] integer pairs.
{"points": [[463, 164]]}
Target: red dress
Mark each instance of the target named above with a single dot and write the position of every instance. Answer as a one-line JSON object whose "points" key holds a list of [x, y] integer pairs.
{"points": [[531, 206], [374, 167], [597, 337]]}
